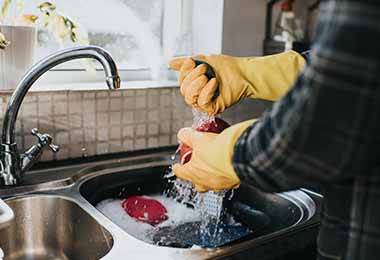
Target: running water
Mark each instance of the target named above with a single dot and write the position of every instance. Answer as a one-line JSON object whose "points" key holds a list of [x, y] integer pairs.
{"points": [[201, 118], [201, 217], [210, 205]]}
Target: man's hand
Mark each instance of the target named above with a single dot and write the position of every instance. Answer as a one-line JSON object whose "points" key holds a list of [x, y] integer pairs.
{"points": [[210, 167], [267, 77]]}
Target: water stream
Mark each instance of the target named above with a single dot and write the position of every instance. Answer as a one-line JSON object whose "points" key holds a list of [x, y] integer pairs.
{"points": [[210, 205]]}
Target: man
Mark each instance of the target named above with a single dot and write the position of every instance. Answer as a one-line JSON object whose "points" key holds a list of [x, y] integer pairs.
{"points": [[324, 132]]}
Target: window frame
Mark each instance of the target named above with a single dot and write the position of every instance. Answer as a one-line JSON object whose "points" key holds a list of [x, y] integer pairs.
{"points": [[206, 39]]}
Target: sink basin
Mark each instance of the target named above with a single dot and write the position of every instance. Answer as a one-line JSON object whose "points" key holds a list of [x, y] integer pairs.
{"points": [[6, 214], [285, 210], [52, 227], [56, 217]]}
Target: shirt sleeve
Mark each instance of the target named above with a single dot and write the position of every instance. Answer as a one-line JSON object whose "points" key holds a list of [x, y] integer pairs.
{"points": [[327, 127]]}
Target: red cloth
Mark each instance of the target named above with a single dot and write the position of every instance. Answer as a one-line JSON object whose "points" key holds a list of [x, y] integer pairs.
{"points": [[216, 126], [145, 210]]}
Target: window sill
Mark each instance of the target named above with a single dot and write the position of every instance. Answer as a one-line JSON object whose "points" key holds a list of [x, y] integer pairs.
{"points": [[94, 86]]}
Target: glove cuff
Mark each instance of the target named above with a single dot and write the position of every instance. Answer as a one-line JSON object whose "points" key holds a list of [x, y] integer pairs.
{"points": [[270, 77], [223, 149]]}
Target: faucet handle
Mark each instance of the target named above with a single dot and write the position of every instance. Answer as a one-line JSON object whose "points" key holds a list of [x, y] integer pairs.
{"points": [[45, 139], [55, 148], [35, 132]]}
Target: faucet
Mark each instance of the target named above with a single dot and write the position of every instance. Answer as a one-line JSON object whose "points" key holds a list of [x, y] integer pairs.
{"points": [[13, 164]]}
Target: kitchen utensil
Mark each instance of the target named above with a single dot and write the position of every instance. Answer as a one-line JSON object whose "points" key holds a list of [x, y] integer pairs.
{"points": [[210, 203], [145, 209]]}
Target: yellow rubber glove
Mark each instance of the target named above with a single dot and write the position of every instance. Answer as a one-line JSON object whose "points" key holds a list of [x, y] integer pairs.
{"points": [[210, 167], [267, 78]]}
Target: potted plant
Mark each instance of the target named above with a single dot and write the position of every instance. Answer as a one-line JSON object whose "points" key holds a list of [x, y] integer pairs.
{"points": [[18, 37]]}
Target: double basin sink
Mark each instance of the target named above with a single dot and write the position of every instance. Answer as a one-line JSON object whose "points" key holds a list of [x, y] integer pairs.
{"points": [[57, 219]]}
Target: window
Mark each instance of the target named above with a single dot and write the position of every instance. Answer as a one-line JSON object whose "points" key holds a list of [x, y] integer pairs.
{"points": [[141, 35]]}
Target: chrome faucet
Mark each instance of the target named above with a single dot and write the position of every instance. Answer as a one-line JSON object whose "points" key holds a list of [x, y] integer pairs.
{"points": [[12, 163]]}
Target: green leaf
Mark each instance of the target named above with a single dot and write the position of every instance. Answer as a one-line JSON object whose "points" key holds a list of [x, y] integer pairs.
{"points": [[46, 6], [3, 41], [4, 8]]}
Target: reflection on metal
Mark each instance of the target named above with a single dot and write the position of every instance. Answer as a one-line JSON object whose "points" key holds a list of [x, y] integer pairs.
{"points": [[6, 215], [66, 206], [38, 233], [13, 165]]}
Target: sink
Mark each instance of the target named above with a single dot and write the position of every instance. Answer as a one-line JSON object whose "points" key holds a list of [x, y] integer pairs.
{"points": [[284, 210], [6, 214], [56, 217], [37, 232]]}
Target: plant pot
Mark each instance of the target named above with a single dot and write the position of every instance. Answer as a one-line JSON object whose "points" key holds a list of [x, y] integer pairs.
{"points": [[18, 57]]}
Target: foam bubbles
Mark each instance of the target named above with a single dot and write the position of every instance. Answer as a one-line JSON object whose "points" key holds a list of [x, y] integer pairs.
{"points": [[177, 213]]}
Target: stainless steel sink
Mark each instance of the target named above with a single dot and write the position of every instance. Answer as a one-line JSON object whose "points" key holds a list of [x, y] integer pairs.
{"points": [[284, 210], [50, 227], [57, 219]]}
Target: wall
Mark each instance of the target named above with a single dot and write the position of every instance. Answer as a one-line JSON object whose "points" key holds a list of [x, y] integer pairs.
{"points": [[87, 123], [94, 122], [244, 25]]}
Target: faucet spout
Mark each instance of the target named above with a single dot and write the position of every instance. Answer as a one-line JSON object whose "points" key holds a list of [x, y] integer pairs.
{"points": [[12, 164], [97, 53]]}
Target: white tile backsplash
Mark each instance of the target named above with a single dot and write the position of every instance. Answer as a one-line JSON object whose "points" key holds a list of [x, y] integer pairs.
{"points": [[87, 123]]}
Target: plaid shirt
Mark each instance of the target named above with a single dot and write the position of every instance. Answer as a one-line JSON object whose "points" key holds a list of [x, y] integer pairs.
{"points": [[325, 132]]}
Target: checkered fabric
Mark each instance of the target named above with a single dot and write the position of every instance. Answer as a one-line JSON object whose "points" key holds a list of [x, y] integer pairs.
{"points": [[325, 132]]}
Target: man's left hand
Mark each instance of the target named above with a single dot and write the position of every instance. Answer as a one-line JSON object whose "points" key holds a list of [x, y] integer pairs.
{"points": [[210, 167]]}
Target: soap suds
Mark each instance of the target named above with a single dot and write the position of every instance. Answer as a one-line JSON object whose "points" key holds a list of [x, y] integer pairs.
{"points": [[177, 214]]}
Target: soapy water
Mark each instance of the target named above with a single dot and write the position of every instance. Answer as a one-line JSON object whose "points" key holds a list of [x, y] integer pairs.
{"points": [[177, 214], [183, 223], [187, 217], [210, 205], [200, 217]]}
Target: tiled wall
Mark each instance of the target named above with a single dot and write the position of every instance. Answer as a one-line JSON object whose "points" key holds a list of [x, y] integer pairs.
{"points": [[86, 123]]}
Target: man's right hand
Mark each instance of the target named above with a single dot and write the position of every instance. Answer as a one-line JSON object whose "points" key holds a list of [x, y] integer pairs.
{"points": [[267, 78]]}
